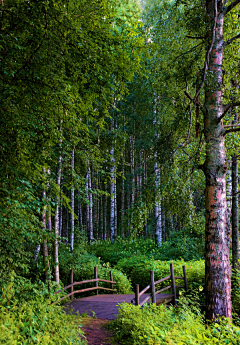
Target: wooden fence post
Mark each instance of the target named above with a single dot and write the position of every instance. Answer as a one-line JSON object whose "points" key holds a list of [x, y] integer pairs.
{"points": [[111, 278], [95, 277], [185, 278], [137, 294], [71, 282], [153, 287], [173, 285]]}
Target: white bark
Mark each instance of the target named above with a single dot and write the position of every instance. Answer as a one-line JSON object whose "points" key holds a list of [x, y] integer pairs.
{"points": [[112, 192], [90, 205], [57, 222], [158, 225], [72, 204]]}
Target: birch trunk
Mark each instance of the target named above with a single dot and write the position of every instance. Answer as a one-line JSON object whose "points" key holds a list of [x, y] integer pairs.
{"points": [[123, 195], [218, 269], [105, 215], [72, 203], [112, 200], [46, 264], [235, 217], [90, 205], [158, 225], [57, 222]]}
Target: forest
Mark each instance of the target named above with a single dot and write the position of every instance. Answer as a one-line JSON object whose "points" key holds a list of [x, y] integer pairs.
{"points": [[119, 150]]}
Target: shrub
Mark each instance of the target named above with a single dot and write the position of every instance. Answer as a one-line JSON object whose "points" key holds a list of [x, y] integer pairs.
{"points": [[35, 320], [83, 265], [180, 245], [154, 325], [140, 274]]}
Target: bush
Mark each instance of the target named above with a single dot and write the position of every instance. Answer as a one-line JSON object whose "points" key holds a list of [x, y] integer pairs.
{"points": [[83, 265], [180, 245], [141, 267], [35, 320], [154, 325]]}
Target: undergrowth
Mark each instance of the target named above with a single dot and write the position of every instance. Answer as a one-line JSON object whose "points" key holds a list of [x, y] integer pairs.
{"points": [[27, 316], [159, 325]]}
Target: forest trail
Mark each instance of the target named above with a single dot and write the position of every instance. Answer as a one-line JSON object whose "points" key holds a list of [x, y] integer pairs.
{"points": [[106, 306], [97, 333]]}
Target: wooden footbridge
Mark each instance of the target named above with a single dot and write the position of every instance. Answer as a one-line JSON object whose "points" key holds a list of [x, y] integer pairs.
{"points": [[106, 305]]}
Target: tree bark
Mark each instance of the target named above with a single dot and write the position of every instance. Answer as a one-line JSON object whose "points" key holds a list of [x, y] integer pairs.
{"points": [[57, 222], [90, 205], [217, 263], [123, 194], [235, 217], [158, 218], [46, 264], [72, 203], [112, 200]]}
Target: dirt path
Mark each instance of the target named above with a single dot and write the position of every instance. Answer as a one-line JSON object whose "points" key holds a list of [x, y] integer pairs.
{"points": [[96, 332]]}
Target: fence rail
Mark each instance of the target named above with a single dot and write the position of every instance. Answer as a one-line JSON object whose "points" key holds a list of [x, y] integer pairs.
{"points": [[96, 288], [153, 283]]}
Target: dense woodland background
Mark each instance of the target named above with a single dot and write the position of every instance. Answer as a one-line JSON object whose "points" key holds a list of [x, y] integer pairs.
{"points": [[114, 119]]}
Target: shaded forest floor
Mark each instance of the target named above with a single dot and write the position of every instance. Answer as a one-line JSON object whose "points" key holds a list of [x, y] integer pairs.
{"points": [[96, 331]]}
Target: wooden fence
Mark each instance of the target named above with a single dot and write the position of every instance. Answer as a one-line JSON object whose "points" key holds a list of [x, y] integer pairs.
{"points": [[96, 287], [152, 285]]}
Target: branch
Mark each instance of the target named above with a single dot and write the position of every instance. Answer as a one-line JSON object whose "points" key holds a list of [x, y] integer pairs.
{"points": [[228, 107], [231, 6], [209, 51], [197, 38], [192, 99], [236, 125], [232, 130], [231, 40]]}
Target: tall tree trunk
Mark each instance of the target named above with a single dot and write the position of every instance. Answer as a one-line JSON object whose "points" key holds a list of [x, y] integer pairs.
{"points": [[46, 264], [132, 155], [235, 217], [158, 218], [87, 207], [112, 200], [105, 215], [72, 203], [80, 215], [123, 194], [90, 205], [218, 269], [57, 222]]}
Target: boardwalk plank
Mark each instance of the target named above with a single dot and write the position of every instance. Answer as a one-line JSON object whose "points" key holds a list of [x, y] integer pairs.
{"points": [[105, 306]]}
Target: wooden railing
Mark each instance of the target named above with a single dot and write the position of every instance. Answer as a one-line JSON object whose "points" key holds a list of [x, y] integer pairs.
{"points": [[152, 285], [96, 287]]}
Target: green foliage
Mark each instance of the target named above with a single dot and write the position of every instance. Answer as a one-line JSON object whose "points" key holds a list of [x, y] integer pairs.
{"points": [[154, 325], [83, 265], [186, 244], [28, 317]]}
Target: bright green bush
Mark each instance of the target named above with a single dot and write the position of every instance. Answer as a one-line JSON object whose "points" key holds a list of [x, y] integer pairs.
{"points": [[141, 267], [83, 265], [154, 325], [35, 320]]}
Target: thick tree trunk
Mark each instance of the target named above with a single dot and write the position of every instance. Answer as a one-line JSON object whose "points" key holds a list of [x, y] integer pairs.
{"points": [[72, 204], [235, 217], [218, 269]]}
